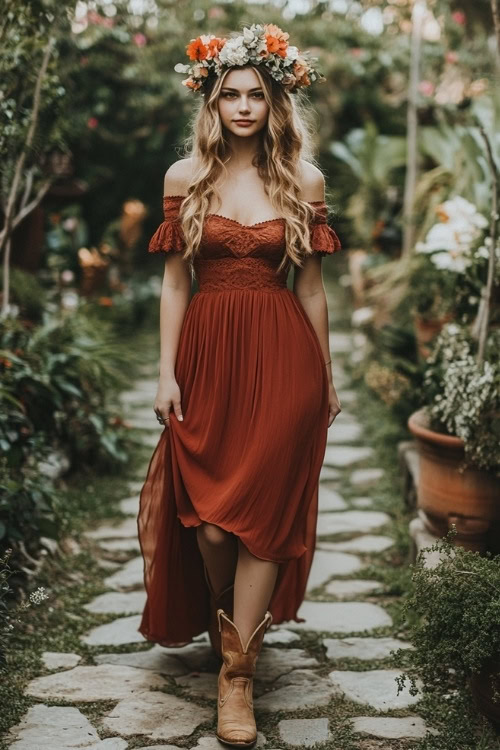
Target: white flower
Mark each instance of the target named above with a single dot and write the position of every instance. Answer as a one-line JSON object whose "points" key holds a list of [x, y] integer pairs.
{"points": [[292, 53], [181, 68], [446, 261], [37, 597], [234, 52]]}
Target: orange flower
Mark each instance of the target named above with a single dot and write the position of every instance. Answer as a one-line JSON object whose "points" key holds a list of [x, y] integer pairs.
{"points": [[276, 39], [191, 84], [196, 50], [5, 362], [441, 213], [215, 46]]}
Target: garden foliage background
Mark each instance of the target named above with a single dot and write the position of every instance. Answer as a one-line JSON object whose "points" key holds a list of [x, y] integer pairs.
{"points": [[92, 115]]}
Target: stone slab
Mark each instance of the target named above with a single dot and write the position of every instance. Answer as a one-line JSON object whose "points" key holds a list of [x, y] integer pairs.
{"points": [[59, 728], [362, 502], [304, 732], [362, 648], [276, 662], [116, 633], [330, 500], [154, 659], [341, 617], [368, 475], [327, 564], [131, 575], [376, 688], [352, 587], [327, 473], [350, 521], [88, 684], [157, 715], [120, 545], [346, 432], [196, 656], [344, 455], [124, 529], [212, 743], [56, 660], [130, 505], [200, 684], [278, 636], [365, 544], [300, 689], [390, 728], [118, 603]]}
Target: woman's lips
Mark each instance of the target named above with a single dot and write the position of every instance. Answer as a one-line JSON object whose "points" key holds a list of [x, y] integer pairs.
{"points": [[244, 123]]}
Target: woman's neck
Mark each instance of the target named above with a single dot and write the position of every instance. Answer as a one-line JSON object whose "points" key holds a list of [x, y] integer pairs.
{"points": [[243, 151]]}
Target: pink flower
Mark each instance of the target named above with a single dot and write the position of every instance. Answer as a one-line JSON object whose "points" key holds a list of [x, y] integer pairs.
{"points": [[459, 17], [426, 88], [92, 122], [356, 51], [139, 39], [451, 57]]}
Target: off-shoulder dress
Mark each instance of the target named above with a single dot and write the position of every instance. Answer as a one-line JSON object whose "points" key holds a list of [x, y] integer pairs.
{"points": [[254, 396]]}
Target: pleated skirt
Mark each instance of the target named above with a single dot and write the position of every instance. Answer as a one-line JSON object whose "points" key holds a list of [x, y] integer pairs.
{"points": [[246, 457]]}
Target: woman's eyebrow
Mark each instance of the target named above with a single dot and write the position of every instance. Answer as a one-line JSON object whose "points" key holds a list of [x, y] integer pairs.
{"points": [[228, 88]]}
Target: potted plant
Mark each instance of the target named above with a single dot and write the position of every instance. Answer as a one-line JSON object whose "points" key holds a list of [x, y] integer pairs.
{"points": [[457, 434], [454, 611], [443, 282]]}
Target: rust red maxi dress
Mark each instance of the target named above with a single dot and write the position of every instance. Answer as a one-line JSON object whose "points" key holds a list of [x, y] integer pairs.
{"points": [[254, 396]]}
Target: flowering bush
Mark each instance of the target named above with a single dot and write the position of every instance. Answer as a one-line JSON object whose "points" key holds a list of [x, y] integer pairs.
{"points": [[462, 396]]}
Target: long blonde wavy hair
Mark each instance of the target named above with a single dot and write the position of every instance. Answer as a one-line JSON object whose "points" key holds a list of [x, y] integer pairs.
{"points": [[285, 140]]}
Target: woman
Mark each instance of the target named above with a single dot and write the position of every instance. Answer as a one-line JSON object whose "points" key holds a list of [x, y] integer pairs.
{"points": [[228, 510]]}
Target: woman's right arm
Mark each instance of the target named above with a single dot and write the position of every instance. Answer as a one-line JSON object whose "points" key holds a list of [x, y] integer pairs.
{"points": [[174, 301]]}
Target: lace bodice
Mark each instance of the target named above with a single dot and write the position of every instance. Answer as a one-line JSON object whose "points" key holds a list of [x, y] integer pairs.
{"points": [[239, 256]]}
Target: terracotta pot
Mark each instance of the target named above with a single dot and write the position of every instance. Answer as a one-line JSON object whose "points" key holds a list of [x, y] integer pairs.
{"points": [[426, 329], [482, 689], [470, 498]]}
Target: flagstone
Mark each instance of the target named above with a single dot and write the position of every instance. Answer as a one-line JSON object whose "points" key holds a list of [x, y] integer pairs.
{"points": [[120, 545], [352, 587], [119, 603], [304, 732], [130, 505], [362, 502], [59, 728], [131, 575], [158, 715], [366, 648], [278, 636], [150, 439], [212, 743], [366, 543], [201, 684], [328, 473], [126, 528], [275, 662], [367, 475], [376, 688], [391, 728], [330, 499], [350, 521], [345, 455], [346, 432], [88, 684], [327, 564], [300, 689], [56, 660], [341, 617], [116, 633], [154, 659]]}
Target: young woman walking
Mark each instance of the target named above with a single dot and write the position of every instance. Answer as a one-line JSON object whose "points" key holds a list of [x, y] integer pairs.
{"points": [[228, 510]]}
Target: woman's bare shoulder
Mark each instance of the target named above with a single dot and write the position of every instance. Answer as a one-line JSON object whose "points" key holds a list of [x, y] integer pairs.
{"points": [[312, 182], [178, 177]]}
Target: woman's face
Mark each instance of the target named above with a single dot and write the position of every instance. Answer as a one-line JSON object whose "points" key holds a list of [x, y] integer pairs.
{"points": [[242, 106]]}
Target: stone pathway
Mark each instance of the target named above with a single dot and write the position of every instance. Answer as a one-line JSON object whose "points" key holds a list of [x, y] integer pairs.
{"points": [[164, 698]]}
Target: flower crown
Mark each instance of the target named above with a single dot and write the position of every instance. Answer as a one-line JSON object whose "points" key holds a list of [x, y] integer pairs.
{"points": [[259, 44]]}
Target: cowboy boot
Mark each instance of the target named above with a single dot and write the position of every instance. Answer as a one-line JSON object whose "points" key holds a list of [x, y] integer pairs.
{"points": [[224, 600], [235, 720]]}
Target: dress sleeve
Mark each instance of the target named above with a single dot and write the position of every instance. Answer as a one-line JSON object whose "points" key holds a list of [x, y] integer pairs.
{"points": [[324, 239], [168, 237]]}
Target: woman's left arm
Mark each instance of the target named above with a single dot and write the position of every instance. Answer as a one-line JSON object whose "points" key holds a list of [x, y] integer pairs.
{"points": [[309, 288]]}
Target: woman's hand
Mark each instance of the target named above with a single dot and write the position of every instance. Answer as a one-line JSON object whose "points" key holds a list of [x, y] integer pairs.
{"points": [[168, 396], [334, 404]]}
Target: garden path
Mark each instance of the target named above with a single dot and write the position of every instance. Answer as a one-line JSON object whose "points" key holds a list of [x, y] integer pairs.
{"points": [[328, 680]]}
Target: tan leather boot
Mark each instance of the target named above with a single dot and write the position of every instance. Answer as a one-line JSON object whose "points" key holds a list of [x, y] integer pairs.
{"points": [[235, 721], [223, 600]]}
